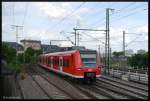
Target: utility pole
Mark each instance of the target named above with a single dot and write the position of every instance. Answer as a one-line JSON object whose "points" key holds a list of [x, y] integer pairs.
{"points": [[107, 55], [78, 39], [106, 44], [110, 56], [24, 52], [75, 35], [110, 52], [108, 38], [124, 43], [99, 49], [16, 27]]}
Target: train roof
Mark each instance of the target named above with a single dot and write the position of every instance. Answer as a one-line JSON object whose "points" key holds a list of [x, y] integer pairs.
{"points": [[87, 51], [64, 52]]}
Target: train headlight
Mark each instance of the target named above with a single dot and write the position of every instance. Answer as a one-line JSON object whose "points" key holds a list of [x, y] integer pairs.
{"points": [[89, 70], [79, 69]]}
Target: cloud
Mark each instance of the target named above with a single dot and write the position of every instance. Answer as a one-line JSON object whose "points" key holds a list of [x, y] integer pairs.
{"points": [[143, 29], [39, 34], [61, 10], [54, 10]]}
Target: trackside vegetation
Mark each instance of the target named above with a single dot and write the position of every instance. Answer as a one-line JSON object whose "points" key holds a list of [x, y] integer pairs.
{"points": [[9, 56]]}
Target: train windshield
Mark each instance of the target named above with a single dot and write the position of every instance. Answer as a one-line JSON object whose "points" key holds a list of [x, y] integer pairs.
{"points": [[89, 60]]}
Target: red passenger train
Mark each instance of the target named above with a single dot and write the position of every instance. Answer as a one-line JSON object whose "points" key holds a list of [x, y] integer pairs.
{"points": [[84, 64]]}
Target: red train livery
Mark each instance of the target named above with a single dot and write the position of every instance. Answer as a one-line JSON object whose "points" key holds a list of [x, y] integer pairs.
{"points": [[84, 64]]}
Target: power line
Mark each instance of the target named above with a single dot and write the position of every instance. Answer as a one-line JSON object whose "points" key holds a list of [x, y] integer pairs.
{"points": [[120, 11], [125, 7], [131, 41], [103, 22], [101, 18], [13, 12], [93, 37], [133, 13], [68, 15], [26, 10], [136, 26]]}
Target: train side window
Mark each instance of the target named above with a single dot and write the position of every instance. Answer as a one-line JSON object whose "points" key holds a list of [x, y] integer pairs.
{"points": [[49, 60], [57, 61], [54, 61], [45, 59], [64, 62], [60, 62]]}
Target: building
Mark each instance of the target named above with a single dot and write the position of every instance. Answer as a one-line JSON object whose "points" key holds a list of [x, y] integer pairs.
{"points": [[141, 51], [34, 44], [129, 52], [15, 45], [50, 48]]}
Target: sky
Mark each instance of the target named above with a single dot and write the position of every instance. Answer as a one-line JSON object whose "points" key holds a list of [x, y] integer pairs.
{"points": [[47, 21]]}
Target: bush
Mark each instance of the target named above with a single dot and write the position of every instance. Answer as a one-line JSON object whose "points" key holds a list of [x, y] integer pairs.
{"points": [[138, 60], [15, 67]]}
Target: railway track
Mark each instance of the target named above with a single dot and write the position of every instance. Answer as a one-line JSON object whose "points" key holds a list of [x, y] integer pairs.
{"points": [[120, 88], [103, 88], [130, 84], [84, 89], [50, 90], [93, 92], [62, 84]]}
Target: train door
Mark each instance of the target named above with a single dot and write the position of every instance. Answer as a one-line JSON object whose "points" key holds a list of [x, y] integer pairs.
{"points": [[60, 63], [51, 62]]}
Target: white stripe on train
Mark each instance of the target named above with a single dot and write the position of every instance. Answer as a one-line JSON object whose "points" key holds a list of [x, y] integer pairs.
{"points": [[75, 76]]}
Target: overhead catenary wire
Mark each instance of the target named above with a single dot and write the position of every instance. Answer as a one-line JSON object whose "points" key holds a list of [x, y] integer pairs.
{"points": [[13, 15], [133, 13], [131, 41], [124, 8], [67, 16], [94, 38], [133, 27], [25, 14], [103, 22], [129, 10]]}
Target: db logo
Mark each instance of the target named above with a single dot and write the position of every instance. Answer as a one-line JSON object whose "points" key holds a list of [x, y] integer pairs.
{"points": [[89, 70]]}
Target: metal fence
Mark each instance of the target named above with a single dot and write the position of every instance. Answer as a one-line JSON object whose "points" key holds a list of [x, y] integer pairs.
{"points": [[129, 75]]}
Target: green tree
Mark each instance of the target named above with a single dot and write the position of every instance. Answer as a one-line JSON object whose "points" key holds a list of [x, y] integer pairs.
{"points": [[138, 60], [8, 53], [117, 54], [31, 55], [21, 58]]}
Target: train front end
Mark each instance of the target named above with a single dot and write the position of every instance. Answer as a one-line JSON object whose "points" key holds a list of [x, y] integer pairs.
{"points": [[90, 64]]}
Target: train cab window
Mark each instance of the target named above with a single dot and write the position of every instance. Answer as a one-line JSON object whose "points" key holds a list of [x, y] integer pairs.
{"points": [[89, 60]]}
